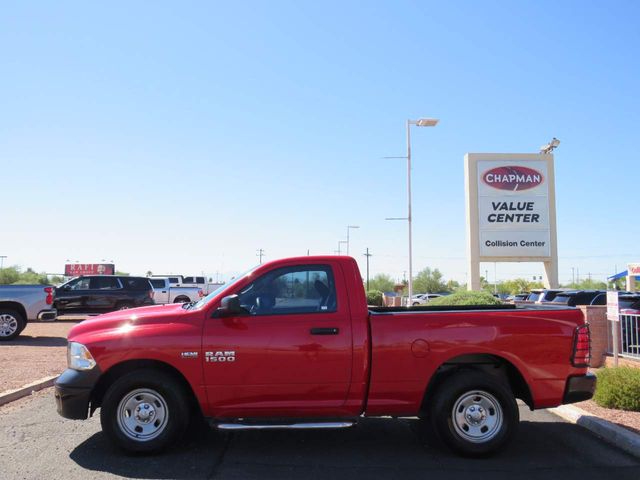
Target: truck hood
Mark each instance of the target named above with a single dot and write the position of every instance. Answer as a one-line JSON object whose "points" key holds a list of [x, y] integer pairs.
{"points": [[109, 324]]}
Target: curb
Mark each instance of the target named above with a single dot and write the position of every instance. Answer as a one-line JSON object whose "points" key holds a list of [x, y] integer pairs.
{"points": [[609, 432], [12, 395]]}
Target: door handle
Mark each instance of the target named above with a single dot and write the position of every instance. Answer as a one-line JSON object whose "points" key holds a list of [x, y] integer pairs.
{"points": [[325, 331]]}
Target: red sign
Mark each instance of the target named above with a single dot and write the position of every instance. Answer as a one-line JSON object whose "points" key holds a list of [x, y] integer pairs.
{"points": [[77, 269], [513, 178]]}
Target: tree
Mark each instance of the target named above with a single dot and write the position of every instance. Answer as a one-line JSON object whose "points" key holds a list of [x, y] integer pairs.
{"points": [[382, 282], [14, 275], [429, 281]]}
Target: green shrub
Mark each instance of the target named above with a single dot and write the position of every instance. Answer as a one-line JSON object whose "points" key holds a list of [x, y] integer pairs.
{"points": [[618, 387], [466, 298], [374, 297]]}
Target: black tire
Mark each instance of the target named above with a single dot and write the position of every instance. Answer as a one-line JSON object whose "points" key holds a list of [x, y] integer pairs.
{"points": [[485, 418], [132, 390], [124, 306], [181, 300], [12, 323]]}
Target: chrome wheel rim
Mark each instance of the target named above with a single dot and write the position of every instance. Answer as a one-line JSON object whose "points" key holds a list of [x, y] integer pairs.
{"points": [[477, 416], [143, 414], [8, 325]]}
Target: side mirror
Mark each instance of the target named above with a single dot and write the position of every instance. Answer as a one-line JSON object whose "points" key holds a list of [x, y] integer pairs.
{"points": [[230, 306]]}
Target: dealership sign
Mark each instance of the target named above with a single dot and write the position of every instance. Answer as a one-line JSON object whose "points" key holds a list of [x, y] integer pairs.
{"points": [[510, 208], [633, 269], [77, 269], [513, 208]]}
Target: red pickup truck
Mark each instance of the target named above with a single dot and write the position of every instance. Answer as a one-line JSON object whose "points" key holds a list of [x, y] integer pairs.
{"points": [[292, 344]]}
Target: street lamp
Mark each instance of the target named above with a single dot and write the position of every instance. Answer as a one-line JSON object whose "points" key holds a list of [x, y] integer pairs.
{"points": [[349, 227], [421, 122], [340, 242]]}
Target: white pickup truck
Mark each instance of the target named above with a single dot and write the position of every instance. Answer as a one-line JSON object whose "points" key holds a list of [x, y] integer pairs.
{"points": [[20, 304], [164, 292]]}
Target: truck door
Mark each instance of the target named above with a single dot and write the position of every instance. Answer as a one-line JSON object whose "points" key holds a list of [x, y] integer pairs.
{"points": [[73, 295], [290, 354], [160, 290]]}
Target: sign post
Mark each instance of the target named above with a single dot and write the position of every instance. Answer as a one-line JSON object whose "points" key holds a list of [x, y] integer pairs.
{"points": [[613, 315], [511, 212]]}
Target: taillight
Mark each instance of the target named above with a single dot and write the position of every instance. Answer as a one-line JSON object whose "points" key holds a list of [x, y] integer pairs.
{"points": [[151, 293], [581, 357], [200, 293], [49, 292]]}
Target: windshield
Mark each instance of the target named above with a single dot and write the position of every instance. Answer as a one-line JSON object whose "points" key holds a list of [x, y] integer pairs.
{"points": [[204, 300], [533, 297]]}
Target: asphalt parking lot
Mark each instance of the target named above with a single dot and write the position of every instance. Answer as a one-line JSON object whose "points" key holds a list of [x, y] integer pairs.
{"points": [[36, 443]]}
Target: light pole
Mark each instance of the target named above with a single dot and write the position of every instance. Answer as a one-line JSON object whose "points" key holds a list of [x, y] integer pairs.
{"points": [[349, 227], [421, 122], [340, 242], [368, 255], [2, 257]]}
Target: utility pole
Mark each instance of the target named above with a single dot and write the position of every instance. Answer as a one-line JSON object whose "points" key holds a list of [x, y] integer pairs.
{"points": [[349, 227], [340, 242], [495, 278], [260, 254], [2, 257], [367, 255], [573, 275]]}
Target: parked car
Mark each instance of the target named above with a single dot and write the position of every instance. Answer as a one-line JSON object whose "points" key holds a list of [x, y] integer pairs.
{"points": [[423, 298], [544, 295], [165, 293], [20, 304], [574, 298], [518, 297], [292, 344], [102, 293]]}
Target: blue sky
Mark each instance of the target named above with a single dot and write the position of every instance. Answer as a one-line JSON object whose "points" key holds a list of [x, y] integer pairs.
{"points": [[182, 136]]}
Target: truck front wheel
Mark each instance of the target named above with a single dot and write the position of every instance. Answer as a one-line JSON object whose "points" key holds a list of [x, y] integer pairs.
{"points": [[474, 413], [144, 411]]}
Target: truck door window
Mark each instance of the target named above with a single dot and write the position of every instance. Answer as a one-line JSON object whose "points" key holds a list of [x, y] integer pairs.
{"points": [[289, 290], [78, 284]]}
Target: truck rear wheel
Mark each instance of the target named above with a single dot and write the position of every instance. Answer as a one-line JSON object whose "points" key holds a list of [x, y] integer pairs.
{"points": [[474, 413], [11, 324], [144, 411]]}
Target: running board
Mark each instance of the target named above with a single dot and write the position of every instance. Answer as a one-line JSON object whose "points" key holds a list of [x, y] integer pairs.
{"points": [[293, 426]]}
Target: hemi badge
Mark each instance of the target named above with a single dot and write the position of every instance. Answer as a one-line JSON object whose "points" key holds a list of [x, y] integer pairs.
{"points": [[189, 354]]}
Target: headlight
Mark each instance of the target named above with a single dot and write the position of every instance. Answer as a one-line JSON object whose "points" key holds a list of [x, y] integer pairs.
{"points": [[79, 357]]}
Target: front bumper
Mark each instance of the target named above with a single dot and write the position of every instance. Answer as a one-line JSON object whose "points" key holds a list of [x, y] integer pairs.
{"points": [[579, 388], [73, 392]]}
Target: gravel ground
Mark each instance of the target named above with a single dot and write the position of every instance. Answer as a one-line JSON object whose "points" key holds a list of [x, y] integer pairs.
{"points": [[40, 351], [629, 420]]}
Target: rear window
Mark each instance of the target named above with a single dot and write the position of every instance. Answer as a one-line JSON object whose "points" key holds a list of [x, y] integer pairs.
{"points": [[562, 299], [136, 283], [533, 297], [549, 296], [629, 303]]}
